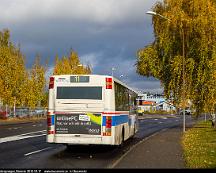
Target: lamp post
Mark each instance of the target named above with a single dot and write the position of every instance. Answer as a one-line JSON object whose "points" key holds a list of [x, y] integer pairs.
{"points": [[79, 67], [113, 69], [14, 106], [183, 62], [183, 75], [122, 77]]}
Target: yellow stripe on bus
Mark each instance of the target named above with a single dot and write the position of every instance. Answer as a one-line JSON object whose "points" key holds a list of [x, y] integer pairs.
{"points": [[94, 118]]}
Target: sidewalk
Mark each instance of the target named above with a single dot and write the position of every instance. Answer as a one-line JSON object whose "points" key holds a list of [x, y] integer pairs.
{"points": [[162, 150]]}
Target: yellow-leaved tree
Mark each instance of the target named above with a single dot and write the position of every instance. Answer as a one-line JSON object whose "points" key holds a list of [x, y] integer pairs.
{"points": [[35, 85], [185, 38], [70, 65], [12, 71]]}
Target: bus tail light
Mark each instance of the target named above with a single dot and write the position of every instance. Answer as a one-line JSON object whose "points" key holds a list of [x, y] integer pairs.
{"points": [[51, 82], [108, 126], [108, 83], [50, 123], [108, 122], [50, 132], [49, 120]]}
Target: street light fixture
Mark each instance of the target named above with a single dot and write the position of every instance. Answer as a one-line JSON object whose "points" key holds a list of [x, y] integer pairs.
{"points": [[113, 69], [156, 14], [183, 61], [151, 13]]}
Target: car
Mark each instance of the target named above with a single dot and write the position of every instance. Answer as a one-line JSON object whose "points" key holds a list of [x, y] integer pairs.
{"points": [[39, 111], [187, 112]]}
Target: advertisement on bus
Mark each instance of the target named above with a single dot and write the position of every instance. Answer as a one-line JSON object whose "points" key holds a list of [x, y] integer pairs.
{"points": [[88, 123]]}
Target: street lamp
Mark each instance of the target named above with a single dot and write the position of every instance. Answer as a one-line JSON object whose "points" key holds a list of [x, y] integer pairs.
{"points": [[80, 66], [122, 77], [183, 61], [113, 69], [156, 14]]}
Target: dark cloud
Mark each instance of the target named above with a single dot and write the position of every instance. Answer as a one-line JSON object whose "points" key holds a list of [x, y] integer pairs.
{"points": [[106, 33]]}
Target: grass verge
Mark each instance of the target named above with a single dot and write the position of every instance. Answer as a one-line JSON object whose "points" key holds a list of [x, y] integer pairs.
{"points": [[199, 146]]}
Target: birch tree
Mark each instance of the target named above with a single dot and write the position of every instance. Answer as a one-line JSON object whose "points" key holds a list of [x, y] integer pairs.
{"points": [[195, 21]]}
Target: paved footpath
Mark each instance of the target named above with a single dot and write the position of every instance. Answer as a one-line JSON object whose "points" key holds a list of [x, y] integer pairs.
{"points": [[162, 150]]}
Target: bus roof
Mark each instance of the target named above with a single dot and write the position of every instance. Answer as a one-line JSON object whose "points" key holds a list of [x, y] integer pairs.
{"points": [[115, 79]]}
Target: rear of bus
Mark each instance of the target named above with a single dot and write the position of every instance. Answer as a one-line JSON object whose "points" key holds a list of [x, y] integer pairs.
{"points": [[75, 110]]}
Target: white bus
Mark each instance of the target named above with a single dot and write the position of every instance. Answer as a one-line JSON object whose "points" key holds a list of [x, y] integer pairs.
{"points": [[90, 109]]}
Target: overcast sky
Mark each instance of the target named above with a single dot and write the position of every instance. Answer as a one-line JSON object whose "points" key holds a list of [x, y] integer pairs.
{"points": [[104, 33]]}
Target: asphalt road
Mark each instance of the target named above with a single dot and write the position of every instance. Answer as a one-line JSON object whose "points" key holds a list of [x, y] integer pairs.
{"points": [[24, 146]]}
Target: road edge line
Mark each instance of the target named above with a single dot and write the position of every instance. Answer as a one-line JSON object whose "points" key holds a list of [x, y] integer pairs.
{"points": [[38, 151]]}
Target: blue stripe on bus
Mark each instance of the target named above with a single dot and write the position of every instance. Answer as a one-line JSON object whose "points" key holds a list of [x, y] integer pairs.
{"points": [[116, 120], [52, 120], [129, 122]]}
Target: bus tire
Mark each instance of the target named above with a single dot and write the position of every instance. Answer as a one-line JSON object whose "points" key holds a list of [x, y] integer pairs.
{"points": [[122, 137], [68, 147], [134, 130]]}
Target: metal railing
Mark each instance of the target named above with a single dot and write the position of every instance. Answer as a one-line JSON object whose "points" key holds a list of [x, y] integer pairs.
{"points": [[22, 112]]}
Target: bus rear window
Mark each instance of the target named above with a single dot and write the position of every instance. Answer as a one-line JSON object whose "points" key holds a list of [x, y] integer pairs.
{"points": [[94, 93]]}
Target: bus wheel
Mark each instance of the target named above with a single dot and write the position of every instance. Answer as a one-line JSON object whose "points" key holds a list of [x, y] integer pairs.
{"points": [[68, 147], [122, 138], [134, 131]]}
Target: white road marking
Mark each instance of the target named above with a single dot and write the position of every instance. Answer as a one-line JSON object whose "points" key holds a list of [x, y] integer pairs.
{"points": [[22, 136], [15, 128], [164, 118], [34, 132], [34, 125], [160, 122], [155, 119], [34, 152]]}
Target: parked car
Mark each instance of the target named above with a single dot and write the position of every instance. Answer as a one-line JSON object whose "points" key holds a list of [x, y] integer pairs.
{"points": [[187, 112]]}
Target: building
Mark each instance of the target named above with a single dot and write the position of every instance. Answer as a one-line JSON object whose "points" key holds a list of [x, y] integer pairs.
{"points": [[153, 102], [165, 106], [147, 106], [151, 97]]}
